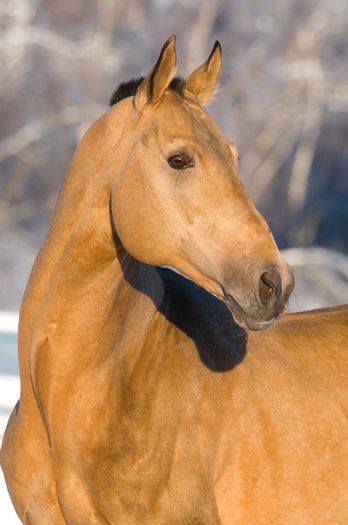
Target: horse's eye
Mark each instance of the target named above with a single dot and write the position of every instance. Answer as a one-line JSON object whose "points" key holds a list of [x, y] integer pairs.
{"points": [[180, 161]]}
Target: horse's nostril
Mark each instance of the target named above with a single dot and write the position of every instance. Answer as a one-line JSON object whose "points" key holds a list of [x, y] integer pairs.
{"points": [[267, 288]]}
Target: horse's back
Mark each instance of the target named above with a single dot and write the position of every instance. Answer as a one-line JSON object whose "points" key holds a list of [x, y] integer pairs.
{"points": [[312, 328], [324, 332], [312, 345], [289, 438]]}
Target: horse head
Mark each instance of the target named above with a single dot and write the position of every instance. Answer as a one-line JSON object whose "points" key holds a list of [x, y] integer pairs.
{"points": [[178, 201]]}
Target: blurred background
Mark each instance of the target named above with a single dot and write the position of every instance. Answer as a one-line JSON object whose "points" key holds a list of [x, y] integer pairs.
{"points": [[283, 99]]}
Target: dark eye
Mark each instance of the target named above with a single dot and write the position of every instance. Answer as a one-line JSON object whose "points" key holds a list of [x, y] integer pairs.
{"points": [[180, 161]]}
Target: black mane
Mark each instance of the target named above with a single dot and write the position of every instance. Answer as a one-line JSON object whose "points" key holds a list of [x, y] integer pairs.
{"points": [[129, 88]]}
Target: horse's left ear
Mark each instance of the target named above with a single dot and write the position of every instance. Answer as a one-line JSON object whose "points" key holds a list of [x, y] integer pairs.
{"points": [[159, 78], [203, 80]]}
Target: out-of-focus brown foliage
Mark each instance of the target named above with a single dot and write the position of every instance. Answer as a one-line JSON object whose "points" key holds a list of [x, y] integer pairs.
{"points": [[283, 98]]}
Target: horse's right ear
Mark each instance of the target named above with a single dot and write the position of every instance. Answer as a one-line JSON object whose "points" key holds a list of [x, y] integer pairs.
{"points": [[159, 77]]}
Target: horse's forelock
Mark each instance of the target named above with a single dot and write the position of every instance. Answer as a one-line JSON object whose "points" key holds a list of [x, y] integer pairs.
{"points": [[129, 88]]}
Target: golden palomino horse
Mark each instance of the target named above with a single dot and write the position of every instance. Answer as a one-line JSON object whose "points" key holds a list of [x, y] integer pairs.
{"points": [[143, 400]]}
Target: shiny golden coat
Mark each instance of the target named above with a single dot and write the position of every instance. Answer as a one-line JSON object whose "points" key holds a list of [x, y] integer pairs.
{"points": [[142, 400]]}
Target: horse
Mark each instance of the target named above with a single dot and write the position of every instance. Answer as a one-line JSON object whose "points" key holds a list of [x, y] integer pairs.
{"points": [[160, 381]]}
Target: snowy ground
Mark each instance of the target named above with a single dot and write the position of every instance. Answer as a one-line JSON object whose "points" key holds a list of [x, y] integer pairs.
{"points": [[9, 394]]}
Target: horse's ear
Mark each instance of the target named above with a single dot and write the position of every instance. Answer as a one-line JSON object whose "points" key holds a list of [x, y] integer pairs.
{"points": [[202, 82], [159, 77]]}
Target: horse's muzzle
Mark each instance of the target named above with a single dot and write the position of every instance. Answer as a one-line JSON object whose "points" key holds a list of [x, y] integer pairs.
{"points": [[271, 292]]}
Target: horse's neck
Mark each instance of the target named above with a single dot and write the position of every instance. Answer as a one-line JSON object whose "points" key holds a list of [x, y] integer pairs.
{"points": [[83, 292]]}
